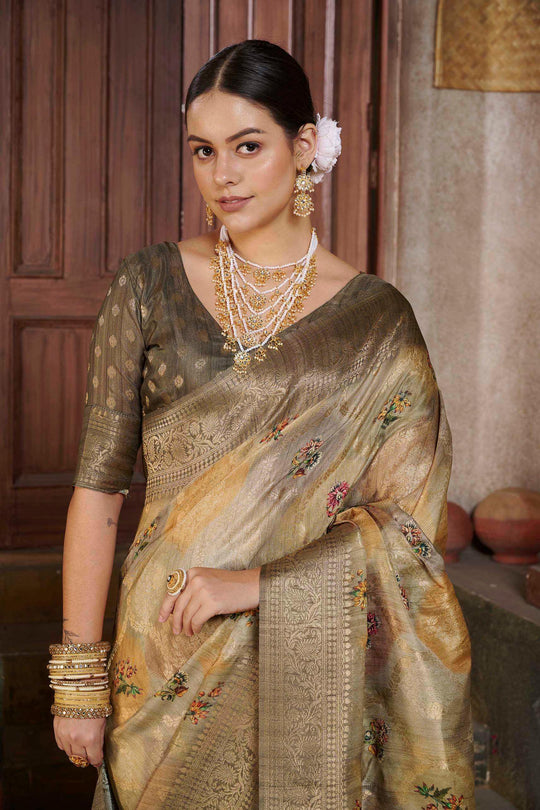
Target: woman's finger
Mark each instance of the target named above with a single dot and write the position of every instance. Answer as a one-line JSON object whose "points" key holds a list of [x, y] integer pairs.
{"points": [[77, 751], [184, 621], [180, 607], [167, 607], [94, 753], [199, 618]]}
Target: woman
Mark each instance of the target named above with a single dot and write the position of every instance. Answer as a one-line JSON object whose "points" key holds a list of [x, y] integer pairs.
{"points": [[286, 636]]}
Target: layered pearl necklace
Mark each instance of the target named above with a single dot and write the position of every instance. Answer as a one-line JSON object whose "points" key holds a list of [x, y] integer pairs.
{"points": [[250, 316]]}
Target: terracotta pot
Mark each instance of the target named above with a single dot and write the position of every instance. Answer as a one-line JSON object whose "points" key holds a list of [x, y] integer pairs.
{"points": [[460, 532], [508, 522]]}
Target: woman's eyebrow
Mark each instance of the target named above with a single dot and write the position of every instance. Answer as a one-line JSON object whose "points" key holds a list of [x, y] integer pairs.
{"points": [[232, 137]]}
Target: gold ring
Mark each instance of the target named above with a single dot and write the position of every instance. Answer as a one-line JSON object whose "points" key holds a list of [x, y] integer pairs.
{"points": [[80, 762], [173, 582]]}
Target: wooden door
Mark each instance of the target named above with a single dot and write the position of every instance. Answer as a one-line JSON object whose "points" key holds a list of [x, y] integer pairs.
{"points": [[94, 166]]}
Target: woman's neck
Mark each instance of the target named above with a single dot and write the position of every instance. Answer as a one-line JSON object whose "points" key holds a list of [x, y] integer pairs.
{"points": [[273, 244]]}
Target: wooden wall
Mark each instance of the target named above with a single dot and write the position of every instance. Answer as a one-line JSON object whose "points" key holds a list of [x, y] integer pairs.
{"points": [[94, 165]]}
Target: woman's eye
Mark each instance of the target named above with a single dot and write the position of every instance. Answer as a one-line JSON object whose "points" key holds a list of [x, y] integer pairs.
{"points": [[250, 151], [250, 143], [198, 149]]}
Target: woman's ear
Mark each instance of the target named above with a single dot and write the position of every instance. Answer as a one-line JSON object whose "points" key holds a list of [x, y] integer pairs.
{"points": [[305, 145]]}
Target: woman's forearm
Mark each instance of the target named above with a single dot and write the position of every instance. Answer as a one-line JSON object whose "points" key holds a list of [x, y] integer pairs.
{"points": [[89, 547]]}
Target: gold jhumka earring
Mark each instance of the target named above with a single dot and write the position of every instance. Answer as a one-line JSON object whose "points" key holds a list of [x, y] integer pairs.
{"points": [[303, 188], [209, 216]]}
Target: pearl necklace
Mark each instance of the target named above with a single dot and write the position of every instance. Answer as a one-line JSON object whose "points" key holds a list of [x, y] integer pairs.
{"points": [[241, 305]]}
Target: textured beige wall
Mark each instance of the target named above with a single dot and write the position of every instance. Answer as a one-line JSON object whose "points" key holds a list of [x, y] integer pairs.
{"points": [[468, 250]]}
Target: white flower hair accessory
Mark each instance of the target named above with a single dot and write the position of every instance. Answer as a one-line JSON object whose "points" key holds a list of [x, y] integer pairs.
{"points": [[328, 148]]}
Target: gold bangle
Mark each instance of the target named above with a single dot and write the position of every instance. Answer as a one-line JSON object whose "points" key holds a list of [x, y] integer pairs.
{"points": [[68, 687], [81, 700], [81, 713], [83, 661], [77, 673], [77, 698], [80, 673], [66, 693], [89, 646]]}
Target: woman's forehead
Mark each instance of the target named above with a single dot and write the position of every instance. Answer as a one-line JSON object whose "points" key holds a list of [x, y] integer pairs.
{"points": [[221, 115]]}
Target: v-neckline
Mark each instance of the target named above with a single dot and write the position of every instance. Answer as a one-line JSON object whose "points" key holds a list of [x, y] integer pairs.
{"points": [[309, 315]]}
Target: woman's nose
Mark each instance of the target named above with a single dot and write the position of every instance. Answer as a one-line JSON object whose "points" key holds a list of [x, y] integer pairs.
{"points": [[224, 171]]}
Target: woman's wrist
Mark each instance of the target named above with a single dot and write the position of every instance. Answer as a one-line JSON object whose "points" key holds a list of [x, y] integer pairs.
{"points": [[255, 578]]}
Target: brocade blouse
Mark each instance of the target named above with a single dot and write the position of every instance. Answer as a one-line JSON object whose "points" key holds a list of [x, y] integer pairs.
{"points": [[153, 342]]}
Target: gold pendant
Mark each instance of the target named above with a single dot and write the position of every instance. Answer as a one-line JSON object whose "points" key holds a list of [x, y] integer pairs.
{"points": [[274, 342], [241, 362], [254, 321], [257, 301], [261, 275]]}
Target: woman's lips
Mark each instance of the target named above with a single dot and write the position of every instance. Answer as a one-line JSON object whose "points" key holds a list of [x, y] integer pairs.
{"points": [[233, 205]]}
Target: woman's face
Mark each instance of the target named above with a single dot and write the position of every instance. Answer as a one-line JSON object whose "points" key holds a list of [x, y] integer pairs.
{"points": [[259, 165]]}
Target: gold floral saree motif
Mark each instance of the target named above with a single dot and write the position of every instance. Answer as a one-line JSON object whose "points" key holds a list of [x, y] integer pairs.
{"points": [[348, 688]]}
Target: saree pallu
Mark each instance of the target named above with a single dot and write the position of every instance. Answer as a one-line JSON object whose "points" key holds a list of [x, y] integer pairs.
{"points": [[348, 687]]}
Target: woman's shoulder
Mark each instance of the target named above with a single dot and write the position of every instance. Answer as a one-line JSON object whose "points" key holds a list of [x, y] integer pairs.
{"points": [[370, 286], [148, 257], [161, 255], [152, 268]]}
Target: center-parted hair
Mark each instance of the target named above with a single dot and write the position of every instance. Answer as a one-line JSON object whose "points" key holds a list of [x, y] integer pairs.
{"points": [[263, 73]]}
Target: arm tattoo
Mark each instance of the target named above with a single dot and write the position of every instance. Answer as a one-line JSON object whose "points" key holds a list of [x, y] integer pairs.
{"points": [[110, 522], [69, 636]]}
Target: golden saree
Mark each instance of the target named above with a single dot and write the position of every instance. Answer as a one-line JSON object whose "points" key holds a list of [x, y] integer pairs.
{"points": [[328, 465]]}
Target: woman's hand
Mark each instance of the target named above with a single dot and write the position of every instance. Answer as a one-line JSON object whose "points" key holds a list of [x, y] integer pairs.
{"points": [[210, 592], [82, 738]]}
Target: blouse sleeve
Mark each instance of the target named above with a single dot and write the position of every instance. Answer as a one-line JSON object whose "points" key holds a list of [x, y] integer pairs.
{"points": [[111, 427]]}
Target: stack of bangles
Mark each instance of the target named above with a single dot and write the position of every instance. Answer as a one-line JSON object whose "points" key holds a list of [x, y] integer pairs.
{"points": [[78, 673]]}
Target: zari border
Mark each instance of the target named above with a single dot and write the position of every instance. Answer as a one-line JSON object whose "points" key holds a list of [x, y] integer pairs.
{"points": [[305, 663], [241, 420]]}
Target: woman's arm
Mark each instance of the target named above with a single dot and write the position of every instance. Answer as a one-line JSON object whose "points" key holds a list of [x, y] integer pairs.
{"points": [[89, 546]]}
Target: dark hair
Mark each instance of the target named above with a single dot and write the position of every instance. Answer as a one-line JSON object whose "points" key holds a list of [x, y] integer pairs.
{"points": [[261, 72]]}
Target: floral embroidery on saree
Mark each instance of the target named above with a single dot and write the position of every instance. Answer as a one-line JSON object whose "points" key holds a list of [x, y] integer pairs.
{"points": [[373, 624], [278, 429], [124, 672], [306, 458], [403, 592], [199, 707], [335, 497], [175, 687], [393, 407], [144, 538], [359, 590], [413, 535], [376, 736], [440, 798], [249, 614]]}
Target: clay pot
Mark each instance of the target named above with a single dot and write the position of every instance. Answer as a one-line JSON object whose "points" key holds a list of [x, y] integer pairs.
{"points": [[460, 532], [508, 522]]}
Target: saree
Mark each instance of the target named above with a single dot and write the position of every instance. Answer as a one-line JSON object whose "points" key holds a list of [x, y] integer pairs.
{"points": [[327, 464]]}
